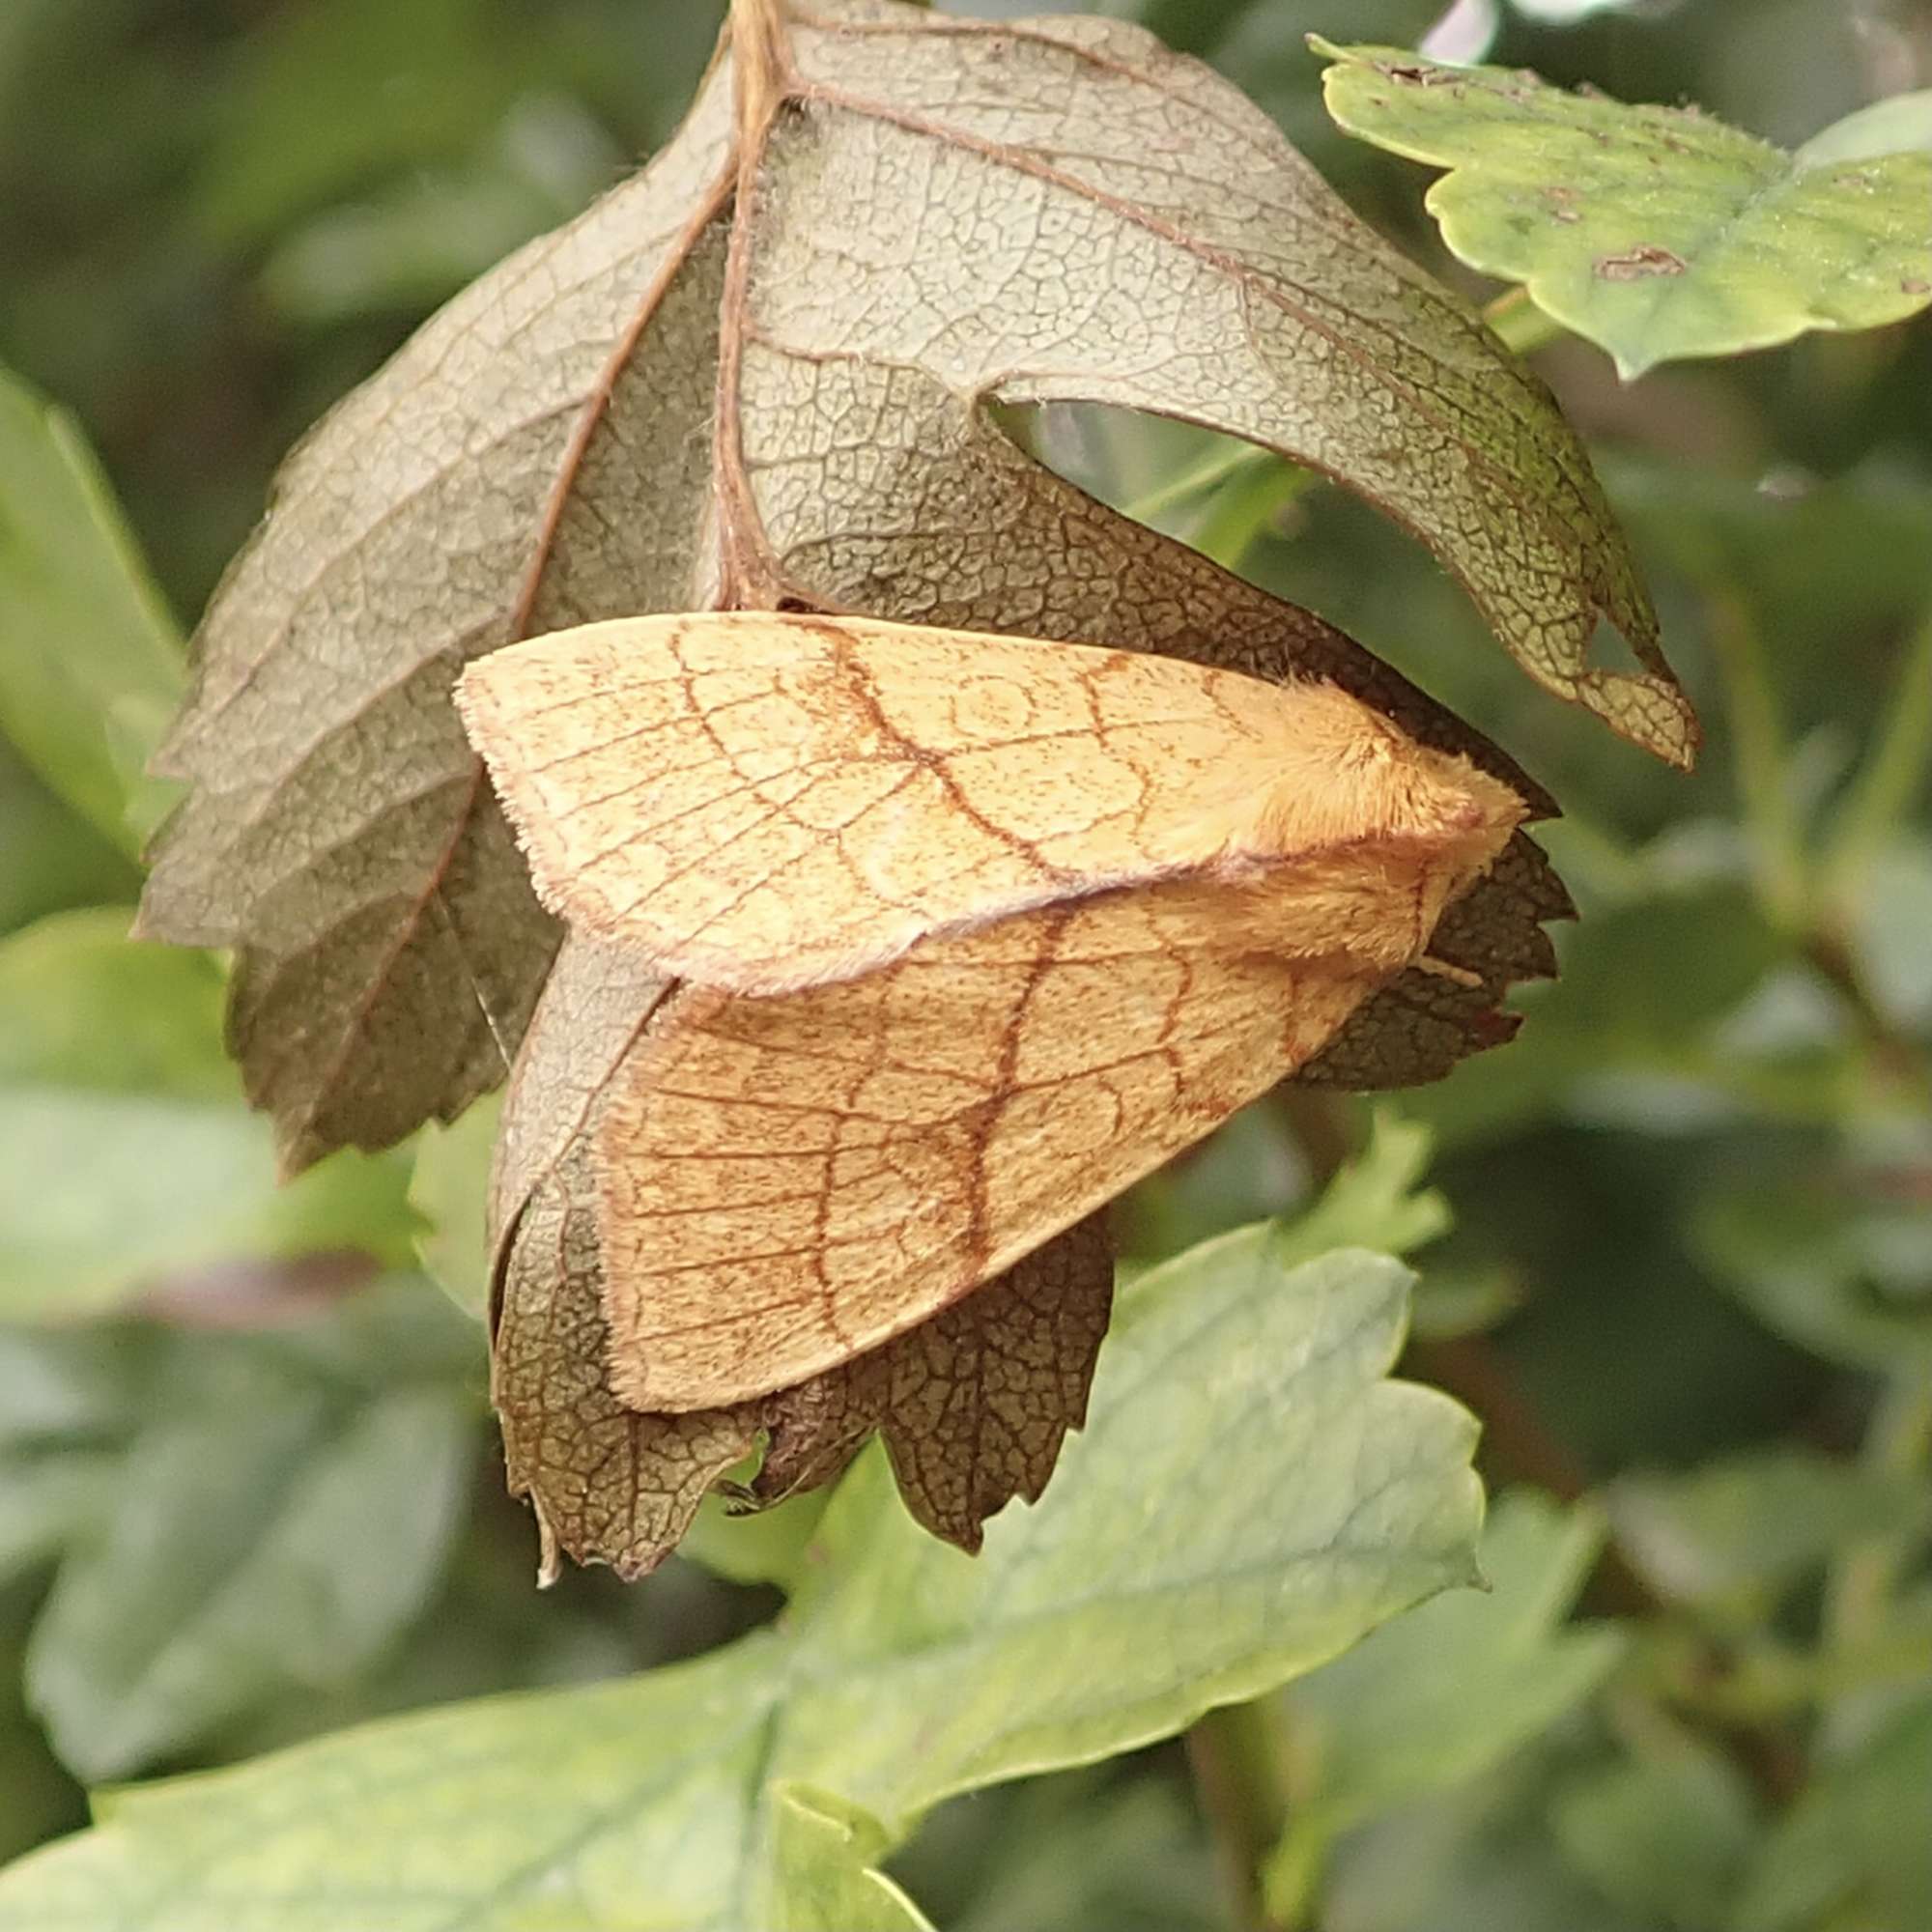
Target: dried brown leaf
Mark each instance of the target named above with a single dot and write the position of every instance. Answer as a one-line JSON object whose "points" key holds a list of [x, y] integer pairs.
{"points": [[759, 374]]}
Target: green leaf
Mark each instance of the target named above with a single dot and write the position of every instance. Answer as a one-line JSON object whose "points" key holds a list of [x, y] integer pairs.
{"points": [[1249, 1497], [1440, 1697], [1657, 233], [824, 1858], [1376, 1200], [1603, 1023], [121, 1158], [103, 1195], [1251, 1164], [1667, 1835], [1478, 1858], [270, 1527], [764, 1547], [1744, 1524], [64, 1386], [1825, 1258], [1856, 1839], [80, 1006], [1092, 1850], [51, 857], [43, 1501], [295, 130], [91, 664]]}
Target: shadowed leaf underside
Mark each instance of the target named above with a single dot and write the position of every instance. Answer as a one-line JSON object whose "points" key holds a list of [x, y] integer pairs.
{"points": [[758, 374]]}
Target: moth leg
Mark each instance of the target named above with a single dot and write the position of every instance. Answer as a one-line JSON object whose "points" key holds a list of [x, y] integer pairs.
{"points": [[1459, 976]]}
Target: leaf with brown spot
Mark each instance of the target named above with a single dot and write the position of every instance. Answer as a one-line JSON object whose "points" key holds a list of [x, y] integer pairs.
{"points": [[760, 373], [1657, 233]]}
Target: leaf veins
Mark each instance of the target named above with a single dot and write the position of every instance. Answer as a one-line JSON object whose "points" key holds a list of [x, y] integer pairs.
{"points": [[759, 374]]}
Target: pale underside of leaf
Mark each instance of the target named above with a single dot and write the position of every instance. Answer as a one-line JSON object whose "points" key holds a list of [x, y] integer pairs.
{"points": [[759, 374], [1655, 231]]}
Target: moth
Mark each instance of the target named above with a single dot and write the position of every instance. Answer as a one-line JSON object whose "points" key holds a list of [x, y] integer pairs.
{"points": [[971, 932]]}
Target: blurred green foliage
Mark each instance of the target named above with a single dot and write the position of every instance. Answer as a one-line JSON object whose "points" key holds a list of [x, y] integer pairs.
{"points": [[1676, 1241]]}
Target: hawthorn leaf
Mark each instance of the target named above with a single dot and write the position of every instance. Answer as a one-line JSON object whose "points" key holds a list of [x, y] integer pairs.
{"points": [[764, 372], [765, 1547], [1176, 1573], [90, 658], [1657, 233], [1378, 1200]]}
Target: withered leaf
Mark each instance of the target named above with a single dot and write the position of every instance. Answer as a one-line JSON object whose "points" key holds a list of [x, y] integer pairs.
{"points": [[758, 374], [973, 1405]]}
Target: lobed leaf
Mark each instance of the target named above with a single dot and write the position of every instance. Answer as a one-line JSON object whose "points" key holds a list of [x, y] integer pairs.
{"points": [[824, 1876], [764, 372], [1161, 1575], [1656, 233]]}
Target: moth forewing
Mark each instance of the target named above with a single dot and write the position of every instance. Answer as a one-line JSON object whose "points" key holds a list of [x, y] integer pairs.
{"points": [[765, 803], [784, 1182]]}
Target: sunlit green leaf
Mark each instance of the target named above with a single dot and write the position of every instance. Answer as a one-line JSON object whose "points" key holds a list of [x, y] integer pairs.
{"points": [[1248, 1498], [825, 1877], [1657, 233]]}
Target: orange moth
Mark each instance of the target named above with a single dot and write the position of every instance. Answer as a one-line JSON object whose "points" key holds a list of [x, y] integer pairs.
{"points": [[974, 932]]}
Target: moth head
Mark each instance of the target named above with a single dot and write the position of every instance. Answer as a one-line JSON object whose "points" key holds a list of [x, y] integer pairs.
{"points": [[1348, 775]]}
